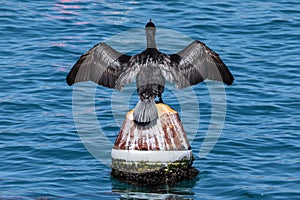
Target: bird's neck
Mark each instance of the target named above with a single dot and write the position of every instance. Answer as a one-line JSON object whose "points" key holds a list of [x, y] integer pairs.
{"points": [[150, 35]]}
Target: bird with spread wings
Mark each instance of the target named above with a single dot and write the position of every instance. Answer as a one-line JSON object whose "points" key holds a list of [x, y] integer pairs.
{"points": [[151, 68]]}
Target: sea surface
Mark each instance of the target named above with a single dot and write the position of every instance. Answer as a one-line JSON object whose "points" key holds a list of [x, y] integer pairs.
{"points": [[55, 139]]}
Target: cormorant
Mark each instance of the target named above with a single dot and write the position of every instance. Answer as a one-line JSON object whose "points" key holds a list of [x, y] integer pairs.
{"points": [[151, 68]]}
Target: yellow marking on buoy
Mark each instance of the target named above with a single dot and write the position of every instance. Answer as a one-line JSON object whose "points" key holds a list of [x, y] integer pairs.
{"points": [[161, 108]]}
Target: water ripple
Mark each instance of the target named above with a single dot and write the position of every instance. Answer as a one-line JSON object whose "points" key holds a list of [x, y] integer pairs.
{"points": [[257, 155]]}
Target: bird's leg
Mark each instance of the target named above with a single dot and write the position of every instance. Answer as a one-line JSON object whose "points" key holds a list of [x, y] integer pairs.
{"points": [[160, 100]]}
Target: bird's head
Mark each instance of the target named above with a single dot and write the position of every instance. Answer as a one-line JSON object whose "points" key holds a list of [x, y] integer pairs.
{"points": [[150, 24], [150, 27]]}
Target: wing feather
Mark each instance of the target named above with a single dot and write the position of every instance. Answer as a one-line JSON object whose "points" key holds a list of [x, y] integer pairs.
{"points": [[101, 64], [134, 66], [198, 62]]}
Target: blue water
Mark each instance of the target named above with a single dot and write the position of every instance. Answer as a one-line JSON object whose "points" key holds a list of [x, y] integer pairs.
{"points": [[42, 155]]}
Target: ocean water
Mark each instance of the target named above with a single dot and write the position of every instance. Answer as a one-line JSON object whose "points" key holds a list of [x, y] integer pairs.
{"points": [[55, 140]]}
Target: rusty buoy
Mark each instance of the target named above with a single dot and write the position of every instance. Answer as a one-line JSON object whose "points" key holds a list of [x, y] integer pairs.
{"points": [[154, 154]]}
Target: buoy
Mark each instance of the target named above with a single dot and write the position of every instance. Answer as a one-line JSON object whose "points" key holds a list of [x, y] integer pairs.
{"points": [[154, 154]]}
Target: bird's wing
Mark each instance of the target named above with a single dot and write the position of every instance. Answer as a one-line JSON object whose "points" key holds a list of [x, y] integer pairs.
{"points": [[197, 62], [133, 68], [101, 64]]}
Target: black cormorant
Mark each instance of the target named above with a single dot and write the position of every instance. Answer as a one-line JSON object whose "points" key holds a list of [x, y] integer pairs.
{"points": [[151, 68]]}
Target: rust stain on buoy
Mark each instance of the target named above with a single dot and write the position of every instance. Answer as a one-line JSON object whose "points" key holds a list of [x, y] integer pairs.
{"points": [[167, 134]]}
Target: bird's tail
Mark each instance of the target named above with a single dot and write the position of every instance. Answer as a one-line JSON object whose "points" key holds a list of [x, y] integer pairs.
{"points": [[145, 111]]}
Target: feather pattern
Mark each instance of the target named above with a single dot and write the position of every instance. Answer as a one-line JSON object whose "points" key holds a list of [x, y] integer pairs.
{"points": [[129, 73], [101, 64], [145, 111], [194, 64]]}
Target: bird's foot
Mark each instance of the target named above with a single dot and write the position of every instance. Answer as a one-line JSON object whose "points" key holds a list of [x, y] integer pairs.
{"points": [[159, 101]]}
